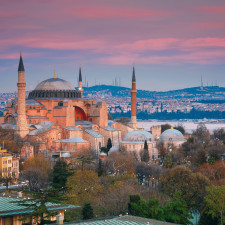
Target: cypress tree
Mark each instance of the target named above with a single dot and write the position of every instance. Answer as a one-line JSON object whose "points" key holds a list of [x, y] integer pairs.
{"points": [[87, 212], [60, 174], [145, 154], [109, 144]]}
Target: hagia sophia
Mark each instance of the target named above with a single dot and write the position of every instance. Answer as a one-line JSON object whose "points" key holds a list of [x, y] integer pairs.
{"points": [[64, 123]]}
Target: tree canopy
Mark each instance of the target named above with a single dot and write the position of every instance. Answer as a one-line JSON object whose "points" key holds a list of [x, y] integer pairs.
{"points": [[83, 186]]}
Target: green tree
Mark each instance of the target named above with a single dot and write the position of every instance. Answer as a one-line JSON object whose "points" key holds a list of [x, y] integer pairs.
{"points": [[168, 162], [109, 145], [145, 153], [190, 185], [207, 219], [87, 211], [176, 211], [134, 199], [155, 211], [215, 201], [60, 174], [104, 149]]}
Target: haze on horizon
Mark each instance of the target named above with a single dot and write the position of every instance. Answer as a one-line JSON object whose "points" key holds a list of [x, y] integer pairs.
{"points": [[172, 43]]}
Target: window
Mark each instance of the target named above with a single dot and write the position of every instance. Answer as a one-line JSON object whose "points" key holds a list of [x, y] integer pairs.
{"points": [[9, 169], [5, 162], [9, 161], [60, 104], [4, 169]]}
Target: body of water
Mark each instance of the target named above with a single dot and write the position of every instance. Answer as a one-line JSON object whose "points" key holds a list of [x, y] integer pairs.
{"points": [[188, 126]]}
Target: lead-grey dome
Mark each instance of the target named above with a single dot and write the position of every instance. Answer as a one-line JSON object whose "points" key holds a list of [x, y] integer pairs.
{"points": [[172, 135], [54, 84], [54, 88], [138, 136]]}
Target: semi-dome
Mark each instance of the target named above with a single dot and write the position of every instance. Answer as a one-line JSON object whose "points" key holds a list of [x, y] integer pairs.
{"points": [[138, 136], [54, 84], [172, 135]]}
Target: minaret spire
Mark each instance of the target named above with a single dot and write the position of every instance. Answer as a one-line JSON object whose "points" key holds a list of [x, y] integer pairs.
{"points": [[80, 75], [133, 75], [80, 83], [21, 66], [21, 124], [134, 101]]}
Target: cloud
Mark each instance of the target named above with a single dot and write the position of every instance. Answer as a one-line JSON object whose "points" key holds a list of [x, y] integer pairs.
{"points": [[213, 9], [106, 12]]}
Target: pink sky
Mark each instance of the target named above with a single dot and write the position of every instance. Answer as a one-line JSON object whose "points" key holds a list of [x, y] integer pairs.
{"points": [[113, 33]]}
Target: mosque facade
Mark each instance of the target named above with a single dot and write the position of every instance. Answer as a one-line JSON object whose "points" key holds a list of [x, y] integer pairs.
{"points": [[63, 123], [58, 117]]}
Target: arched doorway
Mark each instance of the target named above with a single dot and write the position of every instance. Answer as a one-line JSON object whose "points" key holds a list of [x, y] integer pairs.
{"points": [[10, 119], [79, 114]]}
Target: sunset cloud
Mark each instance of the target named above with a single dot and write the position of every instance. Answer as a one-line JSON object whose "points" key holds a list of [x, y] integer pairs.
{"points": [[112, 33], [115, 13], [214, 9]]}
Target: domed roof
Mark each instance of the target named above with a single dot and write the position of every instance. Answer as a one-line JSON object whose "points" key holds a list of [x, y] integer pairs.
{"points": [[54, 84], [138, 136], [172, 135]]}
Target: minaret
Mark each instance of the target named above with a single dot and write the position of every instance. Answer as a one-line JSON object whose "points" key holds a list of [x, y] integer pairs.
{"points": [[133, 101], [21, 124], [80, 83]]}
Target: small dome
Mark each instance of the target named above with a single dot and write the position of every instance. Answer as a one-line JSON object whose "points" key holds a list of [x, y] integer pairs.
{"points": [[54, 84], [172, 135], [138, 136]]}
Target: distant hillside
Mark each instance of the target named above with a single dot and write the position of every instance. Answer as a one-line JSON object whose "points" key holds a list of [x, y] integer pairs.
{"points": [[209, 92]]}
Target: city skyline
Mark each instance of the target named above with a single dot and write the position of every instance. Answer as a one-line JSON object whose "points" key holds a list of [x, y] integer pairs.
{"points": [[172, 43]]}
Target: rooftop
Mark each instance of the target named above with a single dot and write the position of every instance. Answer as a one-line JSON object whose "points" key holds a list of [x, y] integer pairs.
{"points": [[123, 220], [9, 207], [72, 140], [93, 133]]}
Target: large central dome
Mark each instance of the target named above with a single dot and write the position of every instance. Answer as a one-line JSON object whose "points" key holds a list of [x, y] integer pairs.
{"points": [[54, 84], [54, 88]]}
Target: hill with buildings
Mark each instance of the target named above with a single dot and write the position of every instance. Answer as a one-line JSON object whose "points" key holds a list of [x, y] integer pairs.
{"points": [[195, 93]]}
